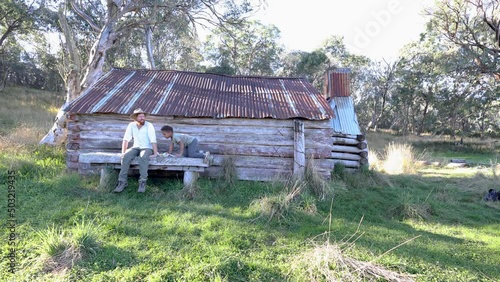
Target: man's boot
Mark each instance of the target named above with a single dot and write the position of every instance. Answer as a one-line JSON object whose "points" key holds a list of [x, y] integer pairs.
{"points": [[121, 185], [142, 187]]}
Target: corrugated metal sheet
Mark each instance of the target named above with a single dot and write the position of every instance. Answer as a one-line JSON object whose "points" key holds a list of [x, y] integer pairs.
{"points": [[191, 94], [337, 83], [345, 120]]}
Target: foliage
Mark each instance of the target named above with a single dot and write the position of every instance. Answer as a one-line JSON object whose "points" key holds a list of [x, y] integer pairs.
{"points": [[330, 55], [431, 89], [248, 48], [445, 82], [311, 65], [22, 22], [474, 26]]}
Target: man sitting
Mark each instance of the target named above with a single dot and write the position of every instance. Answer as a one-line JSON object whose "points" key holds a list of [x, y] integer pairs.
{"points": [[144, 147]]}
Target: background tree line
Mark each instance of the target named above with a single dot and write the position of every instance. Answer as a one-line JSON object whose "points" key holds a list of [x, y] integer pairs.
{"points": [[446, 82]]}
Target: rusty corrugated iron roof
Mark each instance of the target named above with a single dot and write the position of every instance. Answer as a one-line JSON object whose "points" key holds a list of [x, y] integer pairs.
{"points": [[192, 94]]}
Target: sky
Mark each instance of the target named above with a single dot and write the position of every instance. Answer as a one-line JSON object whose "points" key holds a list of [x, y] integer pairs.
{"points": [[377, 29]]}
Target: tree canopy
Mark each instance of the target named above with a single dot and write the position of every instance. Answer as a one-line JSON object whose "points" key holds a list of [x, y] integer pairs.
{"points": [[446, 81]]}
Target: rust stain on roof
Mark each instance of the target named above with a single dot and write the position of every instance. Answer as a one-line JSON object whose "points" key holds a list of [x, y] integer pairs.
{"points": [[191, 94]]}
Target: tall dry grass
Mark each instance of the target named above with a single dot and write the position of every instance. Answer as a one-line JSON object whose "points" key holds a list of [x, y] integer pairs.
{"points": [[26, 115], [396, 159], [330, 261]]}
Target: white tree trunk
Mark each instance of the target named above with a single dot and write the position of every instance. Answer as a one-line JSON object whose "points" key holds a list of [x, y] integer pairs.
{"points": [[149, 46], [97, 57], [58, 133]]}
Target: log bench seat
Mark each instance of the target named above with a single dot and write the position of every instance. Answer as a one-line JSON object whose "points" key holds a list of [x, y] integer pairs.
{"points": [[191, 166]]}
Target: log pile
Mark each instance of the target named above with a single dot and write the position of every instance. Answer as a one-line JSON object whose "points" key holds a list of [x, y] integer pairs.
{"points": [[349, 150]]}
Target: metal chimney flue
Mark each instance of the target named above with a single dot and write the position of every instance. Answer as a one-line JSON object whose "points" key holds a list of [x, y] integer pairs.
{"points": [[337, 83]]}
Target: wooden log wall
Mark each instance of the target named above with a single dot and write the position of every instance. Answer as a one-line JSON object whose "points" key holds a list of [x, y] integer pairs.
{"points": [[263, 148], [349, 150]]}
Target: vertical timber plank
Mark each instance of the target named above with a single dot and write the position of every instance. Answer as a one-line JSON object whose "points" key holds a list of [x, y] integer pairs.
{"points": [[299, 150]]}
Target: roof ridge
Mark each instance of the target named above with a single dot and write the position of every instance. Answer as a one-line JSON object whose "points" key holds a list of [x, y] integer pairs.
{"points": [[211, 73]]}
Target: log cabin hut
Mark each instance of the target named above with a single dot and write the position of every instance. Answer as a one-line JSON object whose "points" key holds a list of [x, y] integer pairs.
{"points": [[269, 125]]}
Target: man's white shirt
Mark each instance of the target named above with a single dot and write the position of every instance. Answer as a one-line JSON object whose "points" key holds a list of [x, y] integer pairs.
{"points": [[142, 137]]}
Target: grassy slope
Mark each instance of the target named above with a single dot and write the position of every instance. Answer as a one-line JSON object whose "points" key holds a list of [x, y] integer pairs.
{"points": [[220, 235]]}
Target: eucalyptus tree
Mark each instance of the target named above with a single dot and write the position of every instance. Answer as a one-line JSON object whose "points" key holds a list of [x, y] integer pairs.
{"points": [[250, 48], [310, 65], [377, 91], [438, 92], [331, 54], [19, 17], [22, 21], [111, 22], [108, 23], [474, 25]]}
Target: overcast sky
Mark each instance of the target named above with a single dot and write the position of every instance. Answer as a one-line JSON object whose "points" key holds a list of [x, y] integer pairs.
{"points": [[375, 28]]}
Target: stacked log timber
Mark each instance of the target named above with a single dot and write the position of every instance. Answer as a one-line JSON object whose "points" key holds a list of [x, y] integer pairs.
{"points": [[349, 150], [263, 149]]}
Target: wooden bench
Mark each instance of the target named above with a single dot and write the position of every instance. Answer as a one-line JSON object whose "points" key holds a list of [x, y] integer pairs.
{"points": [[191, 166]]}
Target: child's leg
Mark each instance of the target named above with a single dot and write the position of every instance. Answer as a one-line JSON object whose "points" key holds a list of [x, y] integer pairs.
{"points": [[192, 150]]}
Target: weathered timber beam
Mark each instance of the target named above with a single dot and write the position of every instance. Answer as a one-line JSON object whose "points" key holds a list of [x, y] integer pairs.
{"points": [[347, 149], [345, 156], [115, 158]]}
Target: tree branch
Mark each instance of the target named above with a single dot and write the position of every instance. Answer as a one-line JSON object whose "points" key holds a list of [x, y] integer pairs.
{"points": [[86, 17]]}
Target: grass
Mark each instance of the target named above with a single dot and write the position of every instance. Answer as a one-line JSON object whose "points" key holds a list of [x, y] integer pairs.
{"points": [[26, 115], [427, 225]]}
